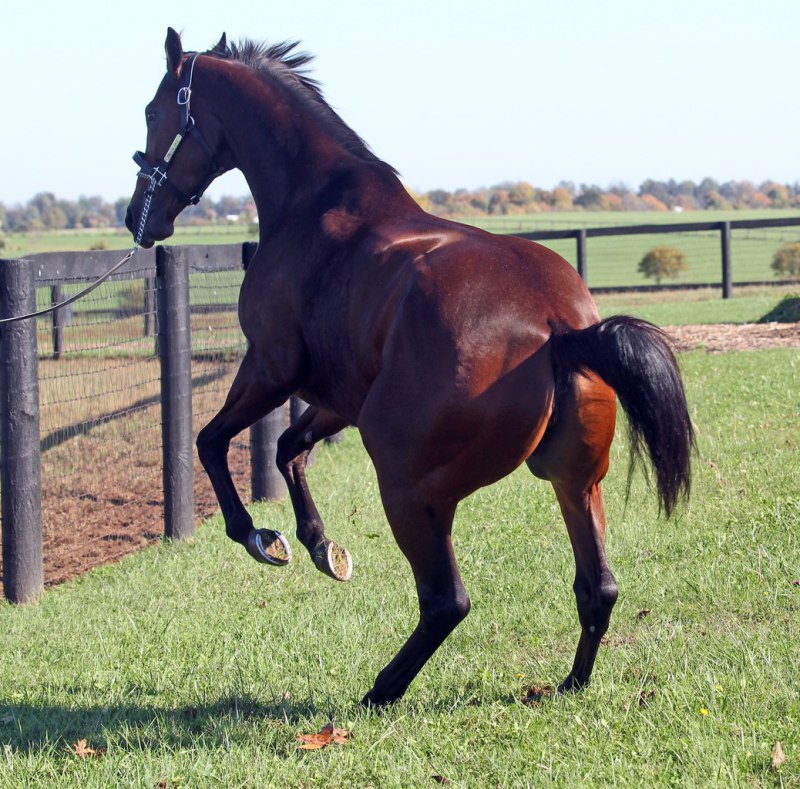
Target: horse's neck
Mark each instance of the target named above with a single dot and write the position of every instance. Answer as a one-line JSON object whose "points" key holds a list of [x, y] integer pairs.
{"points": [[283, 177]]}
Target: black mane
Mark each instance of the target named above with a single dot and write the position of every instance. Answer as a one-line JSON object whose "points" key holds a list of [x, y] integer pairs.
{"points": [[282, 62]]}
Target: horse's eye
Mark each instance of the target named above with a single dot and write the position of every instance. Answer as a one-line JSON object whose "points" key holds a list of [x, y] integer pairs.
{"points": [[150, 116]]}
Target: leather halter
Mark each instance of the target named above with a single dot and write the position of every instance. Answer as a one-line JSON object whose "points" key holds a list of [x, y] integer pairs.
{"points": [[157, 173]]}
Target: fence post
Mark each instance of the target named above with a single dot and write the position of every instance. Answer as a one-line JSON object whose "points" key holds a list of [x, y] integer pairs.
{"points": [[297, 407], [175, 353], [580, 242], [20, 477], [727, 273], [59, 321], [149, 306], [266, 481]]}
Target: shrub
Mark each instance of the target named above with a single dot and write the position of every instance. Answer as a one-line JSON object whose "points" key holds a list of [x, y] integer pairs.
{"points": [[99, 246], [662, 263], [787, 260]]}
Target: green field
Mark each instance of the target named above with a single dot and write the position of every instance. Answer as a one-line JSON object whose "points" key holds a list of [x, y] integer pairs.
{"points": [[194, 666], [611, 262]]}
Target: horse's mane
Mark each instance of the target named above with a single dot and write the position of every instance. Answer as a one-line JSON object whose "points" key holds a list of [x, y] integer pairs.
{"points": [[283, 62]]}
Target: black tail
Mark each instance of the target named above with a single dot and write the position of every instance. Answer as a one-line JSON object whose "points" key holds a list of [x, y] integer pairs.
{"points": [[634, 358]]}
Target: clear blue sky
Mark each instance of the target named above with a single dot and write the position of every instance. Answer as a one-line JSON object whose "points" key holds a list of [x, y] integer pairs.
{"points": [[451, 93]]}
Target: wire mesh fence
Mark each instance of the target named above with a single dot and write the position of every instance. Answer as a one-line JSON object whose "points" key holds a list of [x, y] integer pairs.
{"points": [[100, 390]]}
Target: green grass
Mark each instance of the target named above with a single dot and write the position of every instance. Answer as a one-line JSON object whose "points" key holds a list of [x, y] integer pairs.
{"points": [[674, 308], [195, 666], [611, 261]]}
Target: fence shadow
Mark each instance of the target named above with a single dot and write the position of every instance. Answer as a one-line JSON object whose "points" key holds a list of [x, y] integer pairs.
{"points": [[31, 729]]}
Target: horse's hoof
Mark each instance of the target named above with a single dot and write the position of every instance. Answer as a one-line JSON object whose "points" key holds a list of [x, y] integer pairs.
{"points": [[333, 560], [269, 547]]}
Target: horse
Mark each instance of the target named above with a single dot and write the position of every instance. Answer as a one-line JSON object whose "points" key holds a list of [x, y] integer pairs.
{"points": [[459, 355]]}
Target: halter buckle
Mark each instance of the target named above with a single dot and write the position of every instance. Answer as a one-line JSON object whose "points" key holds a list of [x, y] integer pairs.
{"points": [[184, 95]]}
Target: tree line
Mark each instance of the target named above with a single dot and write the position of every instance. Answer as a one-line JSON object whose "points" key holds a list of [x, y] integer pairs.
{"points": [[46, 212]]}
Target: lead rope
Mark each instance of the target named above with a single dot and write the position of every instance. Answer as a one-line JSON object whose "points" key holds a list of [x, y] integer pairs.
{"points": [[100, 280]]}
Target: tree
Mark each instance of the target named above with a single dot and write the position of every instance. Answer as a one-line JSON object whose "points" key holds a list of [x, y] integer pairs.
{"points": [[787, 260], [662, 263]]}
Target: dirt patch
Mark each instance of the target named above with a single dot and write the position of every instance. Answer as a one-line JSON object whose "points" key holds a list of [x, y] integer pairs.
{"points": [[721, 337]]}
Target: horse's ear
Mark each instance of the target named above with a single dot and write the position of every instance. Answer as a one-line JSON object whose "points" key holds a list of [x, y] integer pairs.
{"points": [[221, 47], [174, 50]]}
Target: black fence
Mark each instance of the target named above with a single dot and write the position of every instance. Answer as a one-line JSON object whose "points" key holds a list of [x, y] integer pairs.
{"points": [[100, 397], [100, 402], [721, 254]]}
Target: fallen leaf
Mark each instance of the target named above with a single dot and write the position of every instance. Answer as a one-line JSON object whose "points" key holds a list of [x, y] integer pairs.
{"points": [[440, 779], [262, 603], [534, 694], [286, 695], [778, 756], [795, 583], [644, 613], [83, 750], [326, 735]]}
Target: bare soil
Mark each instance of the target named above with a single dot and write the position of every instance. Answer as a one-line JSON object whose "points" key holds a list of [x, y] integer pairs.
{"points": [[721, 337]]}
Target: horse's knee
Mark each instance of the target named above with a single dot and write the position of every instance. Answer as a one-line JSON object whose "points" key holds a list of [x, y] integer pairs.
{"points": [[209, 446]]}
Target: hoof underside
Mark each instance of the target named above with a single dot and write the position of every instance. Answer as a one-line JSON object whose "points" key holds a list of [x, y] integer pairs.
{"points": [[333, 560], [269, 547]]}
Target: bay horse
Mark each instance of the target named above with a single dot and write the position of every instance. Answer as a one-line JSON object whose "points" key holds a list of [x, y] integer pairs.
{"points": [[458, 354]]}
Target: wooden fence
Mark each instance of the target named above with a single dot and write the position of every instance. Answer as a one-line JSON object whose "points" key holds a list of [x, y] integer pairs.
{"points": [[20, 484], [166, 271]]}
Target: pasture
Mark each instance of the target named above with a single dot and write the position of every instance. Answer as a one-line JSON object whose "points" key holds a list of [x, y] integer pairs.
{"points": [[191, 665], [612, 261]]}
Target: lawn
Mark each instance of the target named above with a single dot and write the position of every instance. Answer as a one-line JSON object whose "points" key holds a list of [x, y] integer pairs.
{"points": [[194, 666], [611, 261]]}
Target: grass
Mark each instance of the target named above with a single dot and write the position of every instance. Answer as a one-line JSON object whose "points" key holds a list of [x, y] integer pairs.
{"points": [[195, 666], [675, 308], [612, 261]]}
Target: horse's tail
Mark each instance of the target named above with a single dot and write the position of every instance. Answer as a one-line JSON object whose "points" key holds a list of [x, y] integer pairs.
{"points": [[635, 359]]}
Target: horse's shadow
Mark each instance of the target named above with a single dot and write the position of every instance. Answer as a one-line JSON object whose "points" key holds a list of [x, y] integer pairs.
{"points": [[31, 728]]}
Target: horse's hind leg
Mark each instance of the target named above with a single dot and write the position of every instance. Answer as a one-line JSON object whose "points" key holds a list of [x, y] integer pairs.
{"points": [[595, 587], [250, 398], [423, 534], [294, 447], [573, 456]]}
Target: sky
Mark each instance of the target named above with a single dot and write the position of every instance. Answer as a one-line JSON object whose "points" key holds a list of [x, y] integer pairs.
{"points": [[453, 94]]}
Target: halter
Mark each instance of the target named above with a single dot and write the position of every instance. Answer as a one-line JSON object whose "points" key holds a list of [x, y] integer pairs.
{"points": [[157, 174]]}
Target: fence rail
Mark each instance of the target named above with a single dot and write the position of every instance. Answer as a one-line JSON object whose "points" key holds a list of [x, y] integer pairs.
{"points": [[724, 229], [178, 344]]}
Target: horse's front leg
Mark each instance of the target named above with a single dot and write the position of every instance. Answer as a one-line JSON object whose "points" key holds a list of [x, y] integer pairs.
{"points": [[251, 397], [294, 447]]}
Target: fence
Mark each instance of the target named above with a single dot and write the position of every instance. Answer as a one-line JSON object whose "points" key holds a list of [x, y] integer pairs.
{"points": [[90, 472], [710, 247], [88, 468]]}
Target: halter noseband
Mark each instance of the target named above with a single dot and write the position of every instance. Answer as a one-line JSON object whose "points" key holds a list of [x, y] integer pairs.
{"points": [[157, 173]]}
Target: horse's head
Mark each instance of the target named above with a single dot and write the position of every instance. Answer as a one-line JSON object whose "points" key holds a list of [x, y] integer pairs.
{"points": [[185, 148]]}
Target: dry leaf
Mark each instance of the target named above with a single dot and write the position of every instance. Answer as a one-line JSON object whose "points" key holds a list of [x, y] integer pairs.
{"points": [[440, 779], [326, 735], [778, 756], [83, 750], [643, 614]]}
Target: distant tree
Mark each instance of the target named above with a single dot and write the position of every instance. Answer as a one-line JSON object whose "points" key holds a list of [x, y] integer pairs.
{"points": [[522, 193], [787, 260], [590, 196], [2, 242], [662, 263]]}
